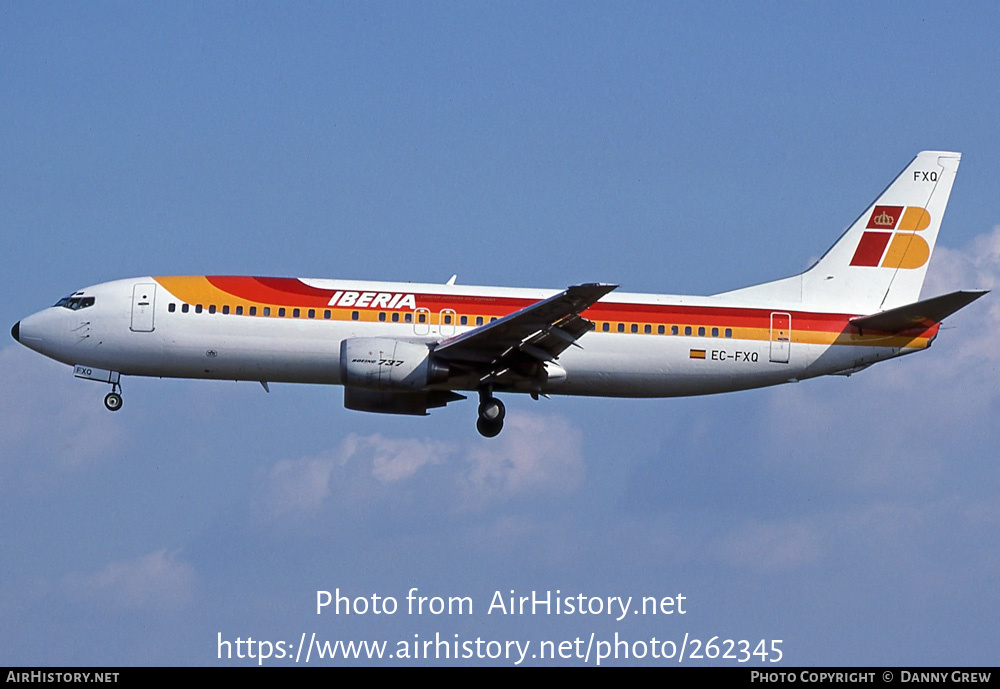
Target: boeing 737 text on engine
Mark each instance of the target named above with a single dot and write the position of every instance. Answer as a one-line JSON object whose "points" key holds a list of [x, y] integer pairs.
{"points": [[401, 348]]}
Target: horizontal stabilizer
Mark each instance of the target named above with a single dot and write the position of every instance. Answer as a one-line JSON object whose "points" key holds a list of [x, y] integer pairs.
{"points": [[919, 314]]}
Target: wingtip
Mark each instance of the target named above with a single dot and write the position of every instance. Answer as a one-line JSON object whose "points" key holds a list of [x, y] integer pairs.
{"points": [[598, 285]]}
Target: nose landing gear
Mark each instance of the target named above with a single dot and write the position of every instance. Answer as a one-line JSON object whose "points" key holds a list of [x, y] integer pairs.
{"points": [[113, 400], [491, 413]]}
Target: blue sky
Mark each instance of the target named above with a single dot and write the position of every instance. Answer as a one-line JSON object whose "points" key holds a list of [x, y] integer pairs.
{"points": [[681, 149]]}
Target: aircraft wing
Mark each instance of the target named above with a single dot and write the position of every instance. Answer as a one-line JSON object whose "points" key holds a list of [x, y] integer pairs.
{"points": [[536, 333], [923, 313]]}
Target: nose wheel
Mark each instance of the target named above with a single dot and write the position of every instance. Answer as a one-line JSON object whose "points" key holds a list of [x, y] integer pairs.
{"points": [[491, 413], [113, 400]]}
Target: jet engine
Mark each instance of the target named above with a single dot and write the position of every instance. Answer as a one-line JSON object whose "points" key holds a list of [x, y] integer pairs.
{"points": [[379, 363]]}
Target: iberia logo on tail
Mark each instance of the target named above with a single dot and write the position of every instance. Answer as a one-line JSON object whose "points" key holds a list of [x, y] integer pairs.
{"points": [[894, 227]]}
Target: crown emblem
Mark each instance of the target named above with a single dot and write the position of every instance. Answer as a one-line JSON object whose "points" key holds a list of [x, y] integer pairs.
{"points": [[884, 220]]}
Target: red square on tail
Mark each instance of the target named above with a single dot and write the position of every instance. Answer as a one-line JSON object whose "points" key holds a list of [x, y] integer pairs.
{"points": [[870, 248]]}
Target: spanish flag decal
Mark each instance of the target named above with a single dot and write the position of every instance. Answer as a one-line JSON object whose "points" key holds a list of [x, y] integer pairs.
{"points": [[697, 353]]}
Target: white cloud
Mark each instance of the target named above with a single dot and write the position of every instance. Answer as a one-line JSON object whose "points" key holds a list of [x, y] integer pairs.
{"points": [[47, 419], [396, 460], [976, 266], [901, 423], [534, 454], [159, 580], [353, 473], [298, 485], [898, 449]]}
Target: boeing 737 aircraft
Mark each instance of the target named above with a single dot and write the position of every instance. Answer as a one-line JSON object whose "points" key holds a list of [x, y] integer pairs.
{"points": [[404, 348]]}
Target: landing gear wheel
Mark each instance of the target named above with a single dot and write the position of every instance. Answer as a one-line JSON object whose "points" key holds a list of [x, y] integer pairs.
{"points": [[113, 401], [492, 410], [489, 429], [491, 413]]}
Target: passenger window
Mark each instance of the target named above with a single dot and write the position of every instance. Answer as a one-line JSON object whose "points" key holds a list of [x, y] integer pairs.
{"points": [[408, 317], [267, 311], [701, 332], [715, 332], [185, 308], [281, 312], [729, 332], [687, 329], [239, 310], [395, 316], [354, 315], [605, 326], [327, 314], [674, 330], [621, 327], [660, 330], [312, 313], [464, 320], [253, 310], [381, 316], [225, 309], [479, 320], [635, 327], [296, 313], [198, 308], [172, 308], [648, 329]]}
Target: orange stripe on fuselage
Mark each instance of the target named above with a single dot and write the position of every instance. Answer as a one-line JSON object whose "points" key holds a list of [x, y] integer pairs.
{"points": [[746, 323]]}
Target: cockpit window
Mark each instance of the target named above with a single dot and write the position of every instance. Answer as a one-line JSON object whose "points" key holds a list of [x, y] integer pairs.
{"points": [[75, 302]]}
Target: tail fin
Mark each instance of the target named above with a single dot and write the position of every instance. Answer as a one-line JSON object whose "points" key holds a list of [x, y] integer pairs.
{"points": [[880, 262]]}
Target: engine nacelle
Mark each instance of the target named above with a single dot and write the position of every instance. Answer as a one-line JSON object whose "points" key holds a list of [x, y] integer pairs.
{"points": [[386, 402], [380, 363]]}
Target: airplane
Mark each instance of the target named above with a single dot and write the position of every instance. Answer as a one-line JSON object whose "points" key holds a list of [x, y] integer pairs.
{"points": [[405, 348]]}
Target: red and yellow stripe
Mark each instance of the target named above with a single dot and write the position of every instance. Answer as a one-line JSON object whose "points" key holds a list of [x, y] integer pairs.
{"points": [[746, 323]]}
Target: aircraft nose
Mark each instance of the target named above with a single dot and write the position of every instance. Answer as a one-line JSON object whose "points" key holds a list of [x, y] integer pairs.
{"points": [[15, 332]]}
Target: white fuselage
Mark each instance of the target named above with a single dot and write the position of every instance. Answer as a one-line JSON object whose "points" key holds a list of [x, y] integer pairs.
{"points": [[633, 363], [404, 348]]}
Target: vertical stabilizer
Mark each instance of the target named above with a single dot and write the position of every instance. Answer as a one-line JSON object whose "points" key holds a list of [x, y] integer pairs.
{"points": [[880, 262]]}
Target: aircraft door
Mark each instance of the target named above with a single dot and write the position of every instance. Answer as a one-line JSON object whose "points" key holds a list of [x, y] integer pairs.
{"points": [[781, 337], [143, 304], [421, 321], [447, 320]]}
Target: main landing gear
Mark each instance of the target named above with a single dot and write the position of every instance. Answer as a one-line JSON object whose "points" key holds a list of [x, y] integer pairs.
{"points": [[491, 413]]}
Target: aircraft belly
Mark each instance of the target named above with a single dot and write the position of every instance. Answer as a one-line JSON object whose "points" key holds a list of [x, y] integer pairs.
{"points": [[637, 366], [235, 349], [645, 366]]}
